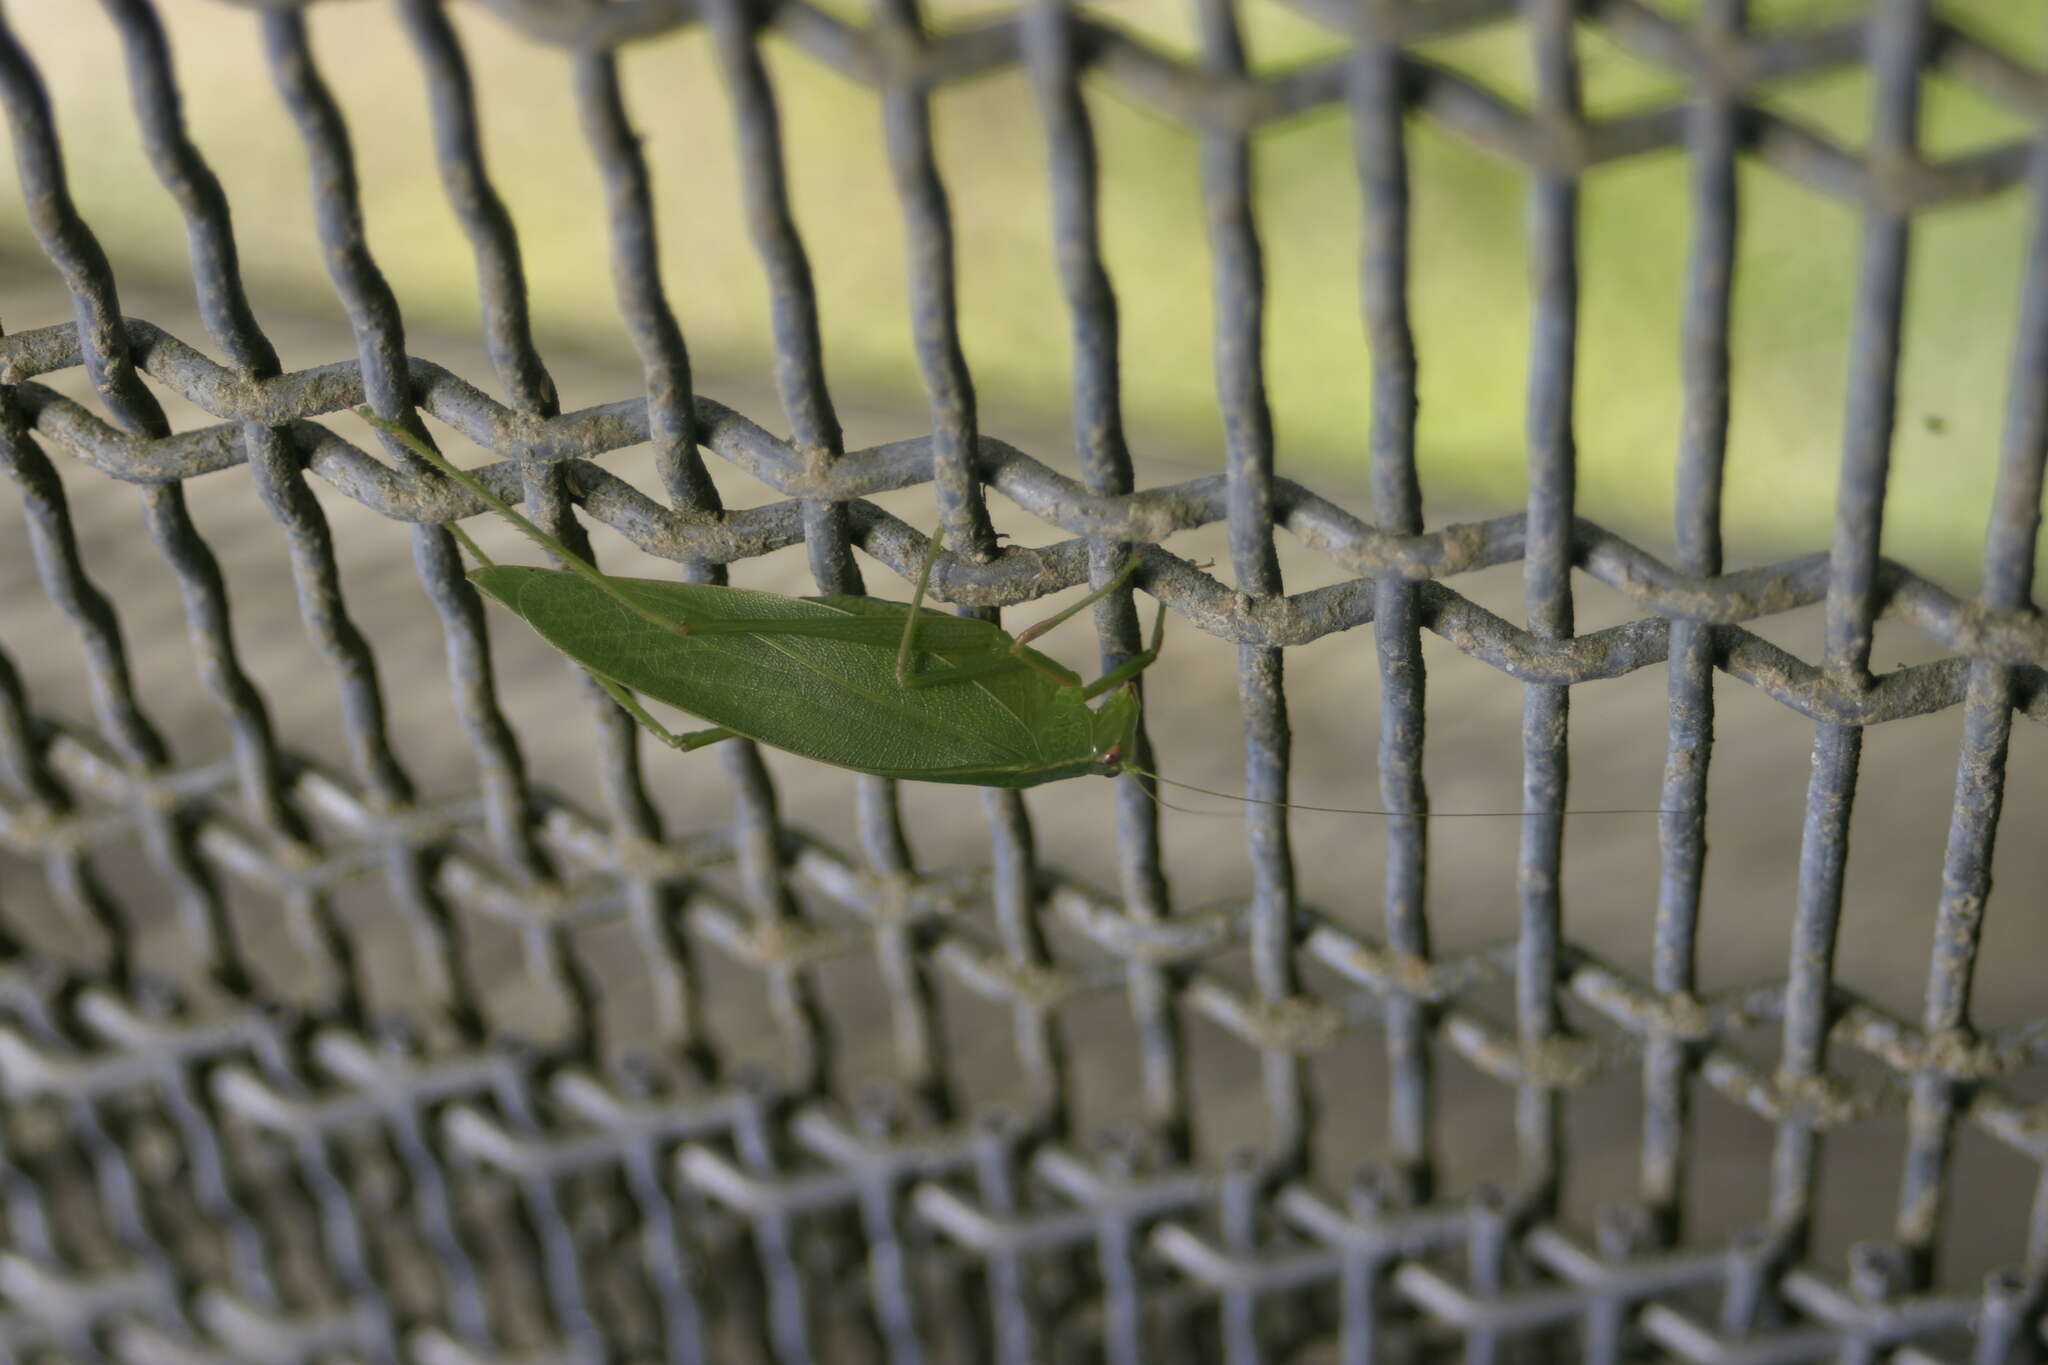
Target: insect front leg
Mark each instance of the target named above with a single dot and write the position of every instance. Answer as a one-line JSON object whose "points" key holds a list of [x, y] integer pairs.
{"points": [[1117, 581], [1133, 666]]}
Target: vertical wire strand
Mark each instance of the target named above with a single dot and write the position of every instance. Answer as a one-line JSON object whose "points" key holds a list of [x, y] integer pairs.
{"points": [[793, 297], [137, 1223], [1053, 58], [54, 544], [800, 380], [1050, 53], [40, 796], [899, 34], [28, 1206], [1711, 134], [493, 241], [1382, 159], [442, 953], [1897, 36], [2009, 554], [934, 309], [345, 1242], [672, 425], [1553, 352], [1239, 284]]}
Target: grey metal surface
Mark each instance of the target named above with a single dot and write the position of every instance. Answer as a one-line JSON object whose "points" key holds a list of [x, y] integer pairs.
{"points": [[226, 1142]]}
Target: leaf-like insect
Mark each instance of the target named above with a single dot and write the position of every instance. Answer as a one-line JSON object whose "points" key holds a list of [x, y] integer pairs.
{"points": [[887, 688]]}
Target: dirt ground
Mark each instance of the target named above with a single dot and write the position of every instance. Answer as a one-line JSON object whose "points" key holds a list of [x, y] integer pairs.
{"points": [[1760, 767]]}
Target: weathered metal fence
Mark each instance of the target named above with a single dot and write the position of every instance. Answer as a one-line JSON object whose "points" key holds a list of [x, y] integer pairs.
{"points": [[197, 1170]]}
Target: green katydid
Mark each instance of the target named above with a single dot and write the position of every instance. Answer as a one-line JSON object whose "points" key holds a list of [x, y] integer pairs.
{"points": [[889, 688]]}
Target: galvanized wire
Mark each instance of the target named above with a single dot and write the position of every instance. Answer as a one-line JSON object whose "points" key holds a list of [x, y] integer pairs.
{"points": [[200, 1170]]}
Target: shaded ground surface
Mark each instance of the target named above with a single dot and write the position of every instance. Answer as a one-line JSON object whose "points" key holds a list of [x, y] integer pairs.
{"points": [[1759, 775]]}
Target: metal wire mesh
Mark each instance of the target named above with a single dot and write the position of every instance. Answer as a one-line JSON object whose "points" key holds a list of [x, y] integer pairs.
{"points": [[215, 1169]]}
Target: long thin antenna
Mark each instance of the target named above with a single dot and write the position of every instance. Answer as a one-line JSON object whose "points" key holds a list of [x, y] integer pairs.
{"points": [[1364, 810]]}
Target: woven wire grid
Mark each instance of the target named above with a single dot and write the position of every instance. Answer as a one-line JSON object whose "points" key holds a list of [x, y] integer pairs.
{"points": [[214, 1170]]}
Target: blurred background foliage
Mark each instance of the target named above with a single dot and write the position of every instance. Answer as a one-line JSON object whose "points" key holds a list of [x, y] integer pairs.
{"points": [[1793, 301]]}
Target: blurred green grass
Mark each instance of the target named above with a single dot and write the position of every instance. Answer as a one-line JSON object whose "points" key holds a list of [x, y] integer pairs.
{"points": [[1793, 300]]}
